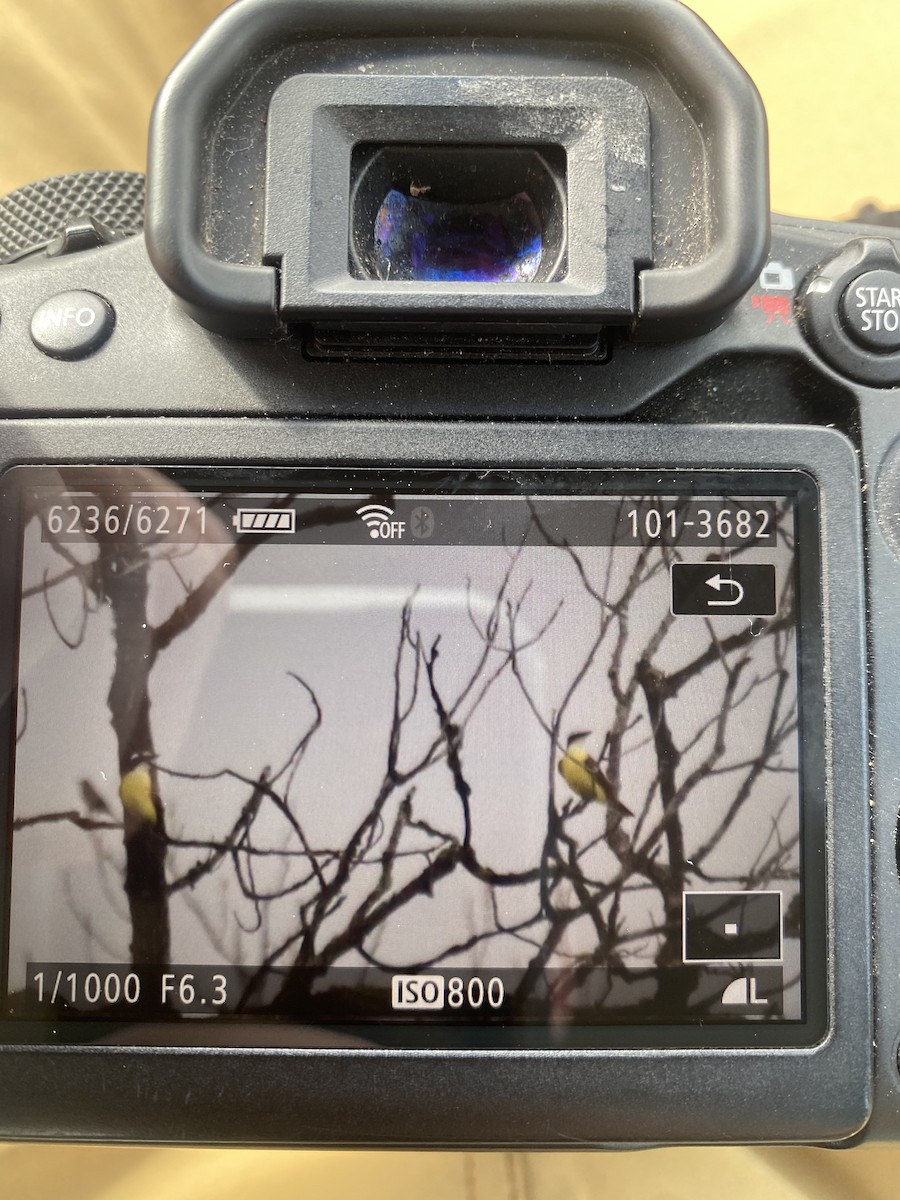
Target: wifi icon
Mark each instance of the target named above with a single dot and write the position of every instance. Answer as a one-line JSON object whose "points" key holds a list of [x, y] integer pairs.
{"points": [[377, 519]]}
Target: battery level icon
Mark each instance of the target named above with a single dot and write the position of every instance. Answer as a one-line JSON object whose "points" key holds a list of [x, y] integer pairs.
{"points": [[265, 520]]}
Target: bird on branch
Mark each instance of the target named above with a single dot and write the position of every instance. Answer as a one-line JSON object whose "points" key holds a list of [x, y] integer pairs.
{"points": [[140, 806], [586, 777]]}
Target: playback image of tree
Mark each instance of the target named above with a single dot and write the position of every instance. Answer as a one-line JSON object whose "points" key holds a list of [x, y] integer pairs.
{"points": [[316, 758]]}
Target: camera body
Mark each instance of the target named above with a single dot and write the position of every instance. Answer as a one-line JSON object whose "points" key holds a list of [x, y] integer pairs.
{"points": [[339, 294]]}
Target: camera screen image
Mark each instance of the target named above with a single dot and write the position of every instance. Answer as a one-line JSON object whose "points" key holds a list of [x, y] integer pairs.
{"points": [[496, 758]]}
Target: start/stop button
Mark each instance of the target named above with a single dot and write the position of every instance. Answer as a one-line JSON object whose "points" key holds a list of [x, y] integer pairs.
{"points": [[849, 309], [870, 311]]}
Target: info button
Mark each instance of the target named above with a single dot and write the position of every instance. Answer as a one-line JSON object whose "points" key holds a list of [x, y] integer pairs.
{"points": [[723, 589], [72, 325]]}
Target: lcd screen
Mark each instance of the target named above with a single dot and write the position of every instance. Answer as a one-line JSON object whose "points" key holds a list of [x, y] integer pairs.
{"points": [[421, 758]]}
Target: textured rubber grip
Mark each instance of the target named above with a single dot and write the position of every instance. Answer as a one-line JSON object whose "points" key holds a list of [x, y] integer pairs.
{"points": [[33, 215]]}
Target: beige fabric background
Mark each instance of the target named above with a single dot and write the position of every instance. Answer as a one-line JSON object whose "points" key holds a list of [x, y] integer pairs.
{"points": [[77, 79]]}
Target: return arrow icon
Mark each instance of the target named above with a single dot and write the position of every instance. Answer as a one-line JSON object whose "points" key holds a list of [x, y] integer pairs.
{"points": [[720, 581], [723, 589]]}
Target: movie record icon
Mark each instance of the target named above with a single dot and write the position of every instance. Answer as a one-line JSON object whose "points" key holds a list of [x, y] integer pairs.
{"points": [[724, 589]]}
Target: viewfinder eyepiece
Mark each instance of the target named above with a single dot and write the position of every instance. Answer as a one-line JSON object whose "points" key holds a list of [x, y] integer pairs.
{"points": [[463, 214]]}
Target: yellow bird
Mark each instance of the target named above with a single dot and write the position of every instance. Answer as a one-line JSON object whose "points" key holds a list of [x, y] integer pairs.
{"points": [[586, 777], [136, 794]]}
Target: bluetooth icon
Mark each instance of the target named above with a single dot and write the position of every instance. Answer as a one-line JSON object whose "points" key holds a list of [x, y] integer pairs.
{"points": [[422, 522]]}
